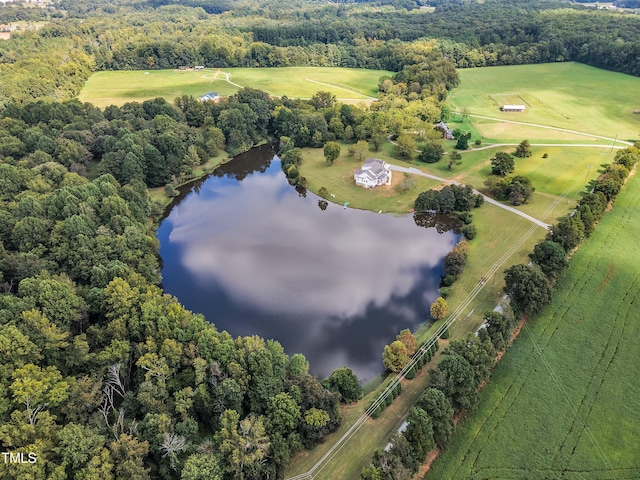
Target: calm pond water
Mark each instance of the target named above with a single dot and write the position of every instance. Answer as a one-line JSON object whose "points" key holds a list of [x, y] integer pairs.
{"points": [[254, 256]]}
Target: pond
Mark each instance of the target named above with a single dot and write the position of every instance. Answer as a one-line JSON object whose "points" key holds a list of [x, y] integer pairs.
{"points": [[336, 284]]}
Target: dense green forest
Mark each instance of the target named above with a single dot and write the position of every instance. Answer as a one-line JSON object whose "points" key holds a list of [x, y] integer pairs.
{"points": [[103, 375]]}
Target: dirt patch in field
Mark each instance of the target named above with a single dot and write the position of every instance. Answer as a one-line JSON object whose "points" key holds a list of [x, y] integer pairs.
{"points": [[607, 278], [427, 464]]}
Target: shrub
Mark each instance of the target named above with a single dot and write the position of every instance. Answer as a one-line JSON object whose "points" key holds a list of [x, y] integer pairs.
{"points": [[469, 232], [465, 217], [444, 291], [170, 191], [448, 280]]}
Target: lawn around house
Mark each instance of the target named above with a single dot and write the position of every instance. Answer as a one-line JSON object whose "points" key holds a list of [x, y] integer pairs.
{"points": [[351, 85], [565, 400], [338, 180]]}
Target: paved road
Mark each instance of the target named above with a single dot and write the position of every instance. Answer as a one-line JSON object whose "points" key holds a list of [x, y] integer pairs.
{"points": [[415, 171]]}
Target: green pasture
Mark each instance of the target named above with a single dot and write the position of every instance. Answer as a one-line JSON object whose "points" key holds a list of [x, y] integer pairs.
{"points": [[564, 173], [119, 87], [564, 402], [565, 95]]}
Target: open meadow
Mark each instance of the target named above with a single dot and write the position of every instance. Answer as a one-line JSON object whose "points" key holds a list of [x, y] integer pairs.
{"points": [[566, 95], [351, 85], [564, 401]]}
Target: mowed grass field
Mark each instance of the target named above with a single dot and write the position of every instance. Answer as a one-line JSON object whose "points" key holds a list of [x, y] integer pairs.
{"points": [[564, 402], [116, 88], [564, 95]]}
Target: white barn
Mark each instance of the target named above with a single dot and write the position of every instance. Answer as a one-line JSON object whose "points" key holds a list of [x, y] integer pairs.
{"points": [[373, 173], [513, 108]]}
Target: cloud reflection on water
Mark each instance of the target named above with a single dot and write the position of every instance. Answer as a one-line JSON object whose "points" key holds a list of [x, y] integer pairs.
{"points": [[285, 257]]}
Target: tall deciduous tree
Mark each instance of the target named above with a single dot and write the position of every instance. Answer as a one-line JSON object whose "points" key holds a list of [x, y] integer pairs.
{"points": [[524, 149], [438, 407], [550, 257], [359, 150], [432, 152], [455, 377], [439, 309], [343, 381], [395, 356], [419, 433], [331, 152], [527, 287], [243, 444], [406, 144], [502, 164]]}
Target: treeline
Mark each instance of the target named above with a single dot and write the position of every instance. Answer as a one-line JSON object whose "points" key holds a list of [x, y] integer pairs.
{"points": [[157, 143], [530, 286]]}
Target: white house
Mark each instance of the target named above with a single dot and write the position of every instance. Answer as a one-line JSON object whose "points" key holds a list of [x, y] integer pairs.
{"points": [[513, 108], [373, 173], [210, 97]]}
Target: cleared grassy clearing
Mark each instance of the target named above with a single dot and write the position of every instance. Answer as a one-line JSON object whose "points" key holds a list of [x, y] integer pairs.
{"points": [[510, 132], [566, 95], [564, 173], [338, 180], [564, 401], [117, 88]]}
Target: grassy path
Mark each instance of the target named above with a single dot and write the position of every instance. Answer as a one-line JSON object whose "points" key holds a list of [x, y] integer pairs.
{"points": [[557, 129]]}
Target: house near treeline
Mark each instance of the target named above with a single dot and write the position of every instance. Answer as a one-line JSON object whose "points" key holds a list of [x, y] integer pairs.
{"points": [[513, 108], [210, 97], [447, 133], [374, 172]]}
